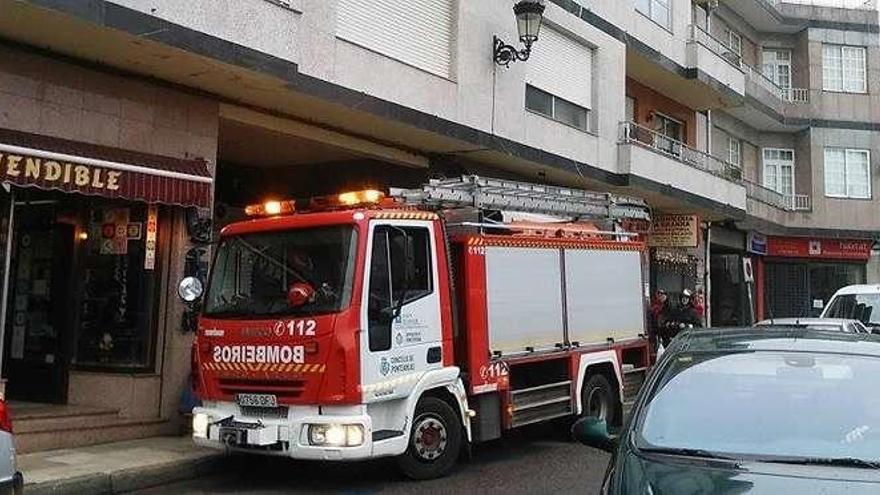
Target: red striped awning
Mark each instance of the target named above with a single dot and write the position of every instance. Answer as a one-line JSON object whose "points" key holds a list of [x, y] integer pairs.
{"points": [[30, 160]]}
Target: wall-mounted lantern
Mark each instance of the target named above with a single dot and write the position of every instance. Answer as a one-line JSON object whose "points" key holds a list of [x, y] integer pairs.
{"points": [[529, 14]]}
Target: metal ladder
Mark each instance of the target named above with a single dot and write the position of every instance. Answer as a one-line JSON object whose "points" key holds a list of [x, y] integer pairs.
{"points": [[499, 194]]}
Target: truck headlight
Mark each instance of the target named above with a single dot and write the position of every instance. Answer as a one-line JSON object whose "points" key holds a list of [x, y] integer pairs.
{"points": [[200, 425], [335, 435]]}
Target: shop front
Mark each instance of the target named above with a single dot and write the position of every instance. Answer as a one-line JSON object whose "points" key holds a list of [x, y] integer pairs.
{"points": [[677, 256], [85, 232], [732, 294], [797, 276]]}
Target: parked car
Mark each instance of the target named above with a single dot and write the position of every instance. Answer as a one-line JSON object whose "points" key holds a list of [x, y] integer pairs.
{"points": [[764, 410], [859, 302], [11, 481], [830, 324]]}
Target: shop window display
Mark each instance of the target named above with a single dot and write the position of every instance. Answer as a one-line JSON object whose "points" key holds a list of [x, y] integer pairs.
{"points": [[117, 292]]}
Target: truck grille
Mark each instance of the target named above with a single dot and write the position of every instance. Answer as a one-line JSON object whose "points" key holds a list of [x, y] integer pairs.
{"points": [[289, 389]]}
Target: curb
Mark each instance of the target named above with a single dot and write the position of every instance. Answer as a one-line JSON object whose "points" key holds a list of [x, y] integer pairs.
{"points": [[126, 480]]}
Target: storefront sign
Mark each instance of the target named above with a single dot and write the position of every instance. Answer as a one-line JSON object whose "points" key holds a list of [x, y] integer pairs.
{"points": [[145, 177], [152, 229], [674, 231], [756, 243], [802, 247], [57, 174]]}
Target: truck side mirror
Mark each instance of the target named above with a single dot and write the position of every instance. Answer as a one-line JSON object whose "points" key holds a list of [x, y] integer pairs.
{"points": [[190, 289]]}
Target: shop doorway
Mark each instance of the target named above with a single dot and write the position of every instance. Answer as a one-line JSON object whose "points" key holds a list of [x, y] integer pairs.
{"points": [[730, 303], [803, 289], [39, 305]]}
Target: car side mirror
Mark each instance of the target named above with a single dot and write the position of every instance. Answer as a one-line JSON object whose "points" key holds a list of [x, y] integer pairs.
{"points": [[593, 432]]}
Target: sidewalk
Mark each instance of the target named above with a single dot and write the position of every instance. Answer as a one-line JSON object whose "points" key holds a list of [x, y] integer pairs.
{"points": [[116, 467]]}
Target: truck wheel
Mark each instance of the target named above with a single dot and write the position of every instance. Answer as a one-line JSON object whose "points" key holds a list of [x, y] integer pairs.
{"points": [[434, 443], [599, 400]]}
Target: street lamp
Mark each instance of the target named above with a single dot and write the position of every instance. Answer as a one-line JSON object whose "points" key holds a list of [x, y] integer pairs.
{"points": [[529, 14]]}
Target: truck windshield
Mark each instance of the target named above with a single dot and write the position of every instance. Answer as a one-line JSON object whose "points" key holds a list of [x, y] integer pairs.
{"points": [[862, 307], [253, 272]]}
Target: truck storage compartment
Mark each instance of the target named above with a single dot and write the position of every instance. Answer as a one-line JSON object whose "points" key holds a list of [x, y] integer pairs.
{"points": [[545, 298], [603, 295], [524, 299]]}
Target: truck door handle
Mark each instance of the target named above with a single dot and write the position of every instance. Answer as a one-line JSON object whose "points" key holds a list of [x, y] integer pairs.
{"points": [[434, 355]]}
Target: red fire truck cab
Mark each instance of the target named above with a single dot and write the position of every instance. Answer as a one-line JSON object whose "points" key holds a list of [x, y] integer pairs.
{"points": [[361, 327]]}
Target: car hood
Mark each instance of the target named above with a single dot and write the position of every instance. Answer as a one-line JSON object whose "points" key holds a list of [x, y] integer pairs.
{"points": [[662, 475]]}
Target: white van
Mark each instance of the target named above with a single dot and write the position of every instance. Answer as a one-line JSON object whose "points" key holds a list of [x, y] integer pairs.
{"points": [[858, 302]]}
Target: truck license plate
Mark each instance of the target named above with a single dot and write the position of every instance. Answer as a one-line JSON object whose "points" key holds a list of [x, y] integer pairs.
{"points": [[257, 400]]}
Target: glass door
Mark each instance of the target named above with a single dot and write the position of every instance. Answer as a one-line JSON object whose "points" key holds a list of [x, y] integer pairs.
{"points": [[38, 317], [777, 67], [779, 171]]}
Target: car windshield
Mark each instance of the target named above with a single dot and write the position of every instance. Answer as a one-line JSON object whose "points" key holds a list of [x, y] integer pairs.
{"points": [[253, 272], [766, 406], [862, 307]]}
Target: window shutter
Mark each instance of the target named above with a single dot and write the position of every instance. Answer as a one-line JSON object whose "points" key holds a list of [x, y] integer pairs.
{"points": [[416, 32], [562, 67]]}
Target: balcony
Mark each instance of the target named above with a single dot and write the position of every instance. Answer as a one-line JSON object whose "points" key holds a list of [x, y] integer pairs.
{"points": [[790, 16], [661, 159], [787, 202], [785, 95], [713, 57]]}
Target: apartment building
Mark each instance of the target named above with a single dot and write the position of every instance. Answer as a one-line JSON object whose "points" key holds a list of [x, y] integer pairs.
{"points": [[750, 126]]}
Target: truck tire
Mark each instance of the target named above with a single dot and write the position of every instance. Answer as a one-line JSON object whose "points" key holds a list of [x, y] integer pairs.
{"points": [[434, 443], [599, 399]]}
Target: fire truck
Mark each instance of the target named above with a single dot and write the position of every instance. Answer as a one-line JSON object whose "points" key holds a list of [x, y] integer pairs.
{"points": [[419, 323]]}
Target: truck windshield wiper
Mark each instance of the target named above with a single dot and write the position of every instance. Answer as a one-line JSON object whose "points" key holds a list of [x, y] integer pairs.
{"points": [[827, 461], [687, 452]]}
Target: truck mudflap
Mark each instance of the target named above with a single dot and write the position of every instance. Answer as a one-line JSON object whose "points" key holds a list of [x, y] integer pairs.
{"points": [[305, 432]]}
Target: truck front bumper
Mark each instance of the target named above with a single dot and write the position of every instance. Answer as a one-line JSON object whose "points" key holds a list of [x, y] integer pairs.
{"points": [[306, 432]]}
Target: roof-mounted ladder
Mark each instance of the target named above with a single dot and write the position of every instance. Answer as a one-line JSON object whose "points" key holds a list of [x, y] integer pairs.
{"points": [[499, 194]]}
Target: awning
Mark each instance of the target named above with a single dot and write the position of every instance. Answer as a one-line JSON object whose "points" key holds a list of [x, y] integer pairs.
{"points": [[31, 160]]}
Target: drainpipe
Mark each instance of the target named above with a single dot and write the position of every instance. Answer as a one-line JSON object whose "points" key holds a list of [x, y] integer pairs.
{"points": [[708, 275]]}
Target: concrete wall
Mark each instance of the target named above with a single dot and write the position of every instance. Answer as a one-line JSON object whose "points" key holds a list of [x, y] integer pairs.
{"points": [[264, 25]]}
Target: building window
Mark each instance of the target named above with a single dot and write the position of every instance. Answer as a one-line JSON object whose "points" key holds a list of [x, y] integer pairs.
{"points": [[657, 10], [559, 79], [734, 151], [779, 170], [734, 42], [776, 66], [669, 134], [556, 108], [847, 173], [844, 68], [417, 33]]}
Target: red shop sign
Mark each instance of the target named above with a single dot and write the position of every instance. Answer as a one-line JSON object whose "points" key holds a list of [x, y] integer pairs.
{"points": [[805, 247]]}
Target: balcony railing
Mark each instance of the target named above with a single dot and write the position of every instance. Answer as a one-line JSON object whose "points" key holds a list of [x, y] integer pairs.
{"points": [[838, 4], [713, 44], [788, 202], [791, 95], [632, 133]]}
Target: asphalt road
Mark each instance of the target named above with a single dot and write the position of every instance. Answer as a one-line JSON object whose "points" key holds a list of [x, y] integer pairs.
{"points": [[537, 460]]}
